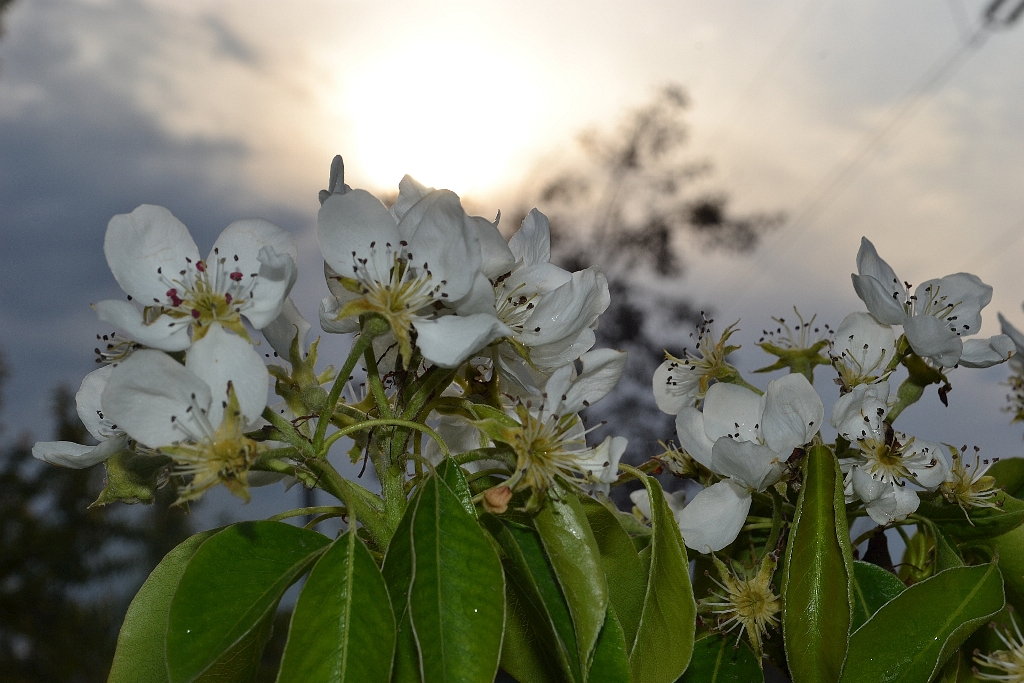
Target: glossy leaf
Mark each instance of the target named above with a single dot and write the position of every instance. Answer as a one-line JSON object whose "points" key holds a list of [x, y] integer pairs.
{"points": [[611, 661], [946, 554], [664, 637], [141, 653], [542, 612], [230, 586], [716, 659], [627, 578], [457, 594], [913, 635], [1009, 475], [983, 523], [1010, 549], [524, 655], [872, 588], [572, 550], [397, 573], [817, 593], [342, 629], [453, 475]]}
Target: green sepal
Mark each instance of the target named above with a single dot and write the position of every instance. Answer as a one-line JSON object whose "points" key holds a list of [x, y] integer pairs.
{"points": [[132, 478], [797, 359]]}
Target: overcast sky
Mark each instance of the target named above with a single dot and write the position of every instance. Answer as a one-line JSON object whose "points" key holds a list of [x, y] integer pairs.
{"points": [[223, 109]]}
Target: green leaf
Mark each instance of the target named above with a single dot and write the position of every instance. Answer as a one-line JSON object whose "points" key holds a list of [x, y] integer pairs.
{"points": [[230, 586], [572, 550], [1010, 547], [140, 654], [872, 588], [452, 475], [457, 594], [542, 613], [611, 661], [664, 637], [911, 636], [717, 660], [984, 522], [397, 573], [523, 654], [816, 593], [627, 580], [1009, 475], [342, 629], [946, 553]]}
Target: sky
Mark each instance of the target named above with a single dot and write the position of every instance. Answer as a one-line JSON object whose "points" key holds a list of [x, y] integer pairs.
{"points": [[227, 109]]}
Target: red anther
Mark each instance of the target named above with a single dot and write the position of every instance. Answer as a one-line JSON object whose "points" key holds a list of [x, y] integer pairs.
{"points": [[195, 313], [200, 266], [236, 276], [175, 299], [227, 299]]}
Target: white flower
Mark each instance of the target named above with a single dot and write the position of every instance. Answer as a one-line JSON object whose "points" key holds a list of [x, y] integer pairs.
{"points": [[862, 349], [196, 413], [249, 272], [680, 382], [410, 271], [936, 316], [551, 312], [884, 459], [642, 500], [1018, 342], [746, 439], [110, 437]]}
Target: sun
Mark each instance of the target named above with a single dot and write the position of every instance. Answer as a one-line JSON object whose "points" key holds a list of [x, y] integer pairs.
{"points": [[450, 111]]}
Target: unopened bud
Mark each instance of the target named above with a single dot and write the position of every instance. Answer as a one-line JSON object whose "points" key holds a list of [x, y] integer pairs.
{"points": [[496, 499]]}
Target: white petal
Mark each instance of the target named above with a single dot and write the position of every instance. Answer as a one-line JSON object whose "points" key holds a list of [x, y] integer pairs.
{"points": [[731, 410], [672, 391], [864, 344], [140, 243], [149, 388], [955, 299], [458, 435], [164, 333], [441, 237], [76, 456], [451, 339], [676, 501], [792, 413], [859, 414], [410, 191], [879, 300], [547, 357], [246, 239], [495, 256], [531, 243], [480, 298], [529, 281], [984, 353], [931, 338], [602, 461], [90, 410], [329, 309], [893, 506], [568, 309], [221, 357], [926, 462], [876, 284], [867, 488], [714, 517], [283, 329], [750, 464], [351, 222], [692, 437], [602, 369], [1013, 333], [277, 274]]}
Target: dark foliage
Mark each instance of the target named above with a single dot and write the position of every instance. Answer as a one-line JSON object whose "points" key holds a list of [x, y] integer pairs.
{"points": [[68, 572]]}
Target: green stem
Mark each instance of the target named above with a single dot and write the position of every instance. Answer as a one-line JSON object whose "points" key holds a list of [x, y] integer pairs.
{"points": [[372, 327], [388, 422], [323, 518], [373, 380], [287, 432], [358, 501], [301, 512]]}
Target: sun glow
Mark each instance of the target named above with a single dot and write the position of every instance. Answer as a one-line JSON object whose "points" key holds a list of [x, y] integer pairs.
{"points": [[451, 112]]}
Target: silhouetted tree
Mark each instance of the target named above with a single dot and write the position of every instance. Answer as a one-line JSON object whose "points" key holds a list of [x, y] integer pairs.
{"points": [[634, 209], [68, 572]]}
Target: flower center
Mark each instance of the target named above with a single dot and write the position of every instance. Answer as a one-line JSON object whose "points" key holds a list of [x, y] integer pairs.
{"points": [[202, 294], [885, 460], [514, 308]]}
